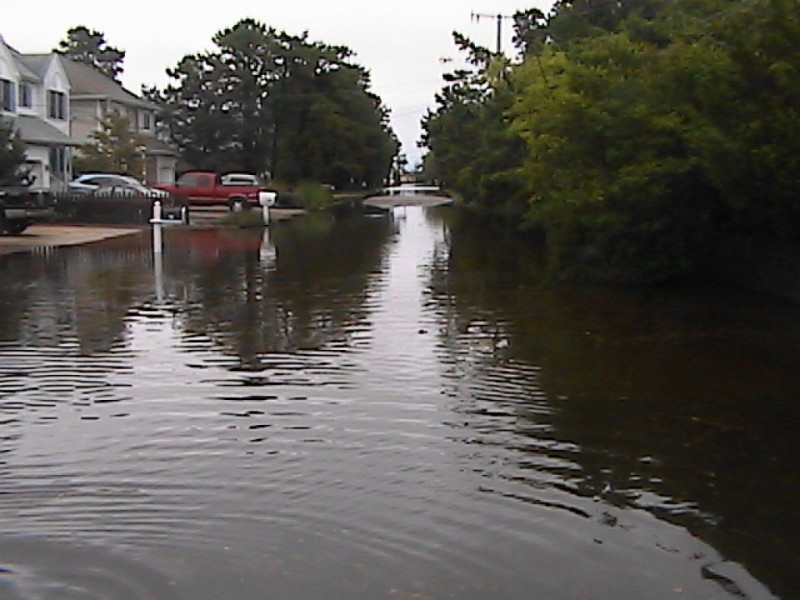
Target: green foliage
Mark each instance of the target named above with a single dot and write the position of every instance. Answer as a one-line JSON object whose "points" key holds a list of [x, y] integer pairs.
{"points": [[89, 47], [609, 175], [12, 156], [631, 131], [305, 194], [315, 195], [269, 102], [746, 103], [114, 148], [472, 153]]}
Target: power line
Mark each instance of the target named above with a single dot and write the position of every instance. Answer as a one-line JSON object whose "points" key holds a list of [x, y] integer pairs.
{"points": [[478, 16]]}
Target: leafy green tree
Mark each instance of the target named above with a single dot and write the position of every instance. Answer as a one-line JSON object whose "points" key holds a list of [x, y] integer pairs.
{"points": [[573, 21], [196, 116], [269, 102], [739, 72], [647, 126], [472, 151], [330, 127], [610, 177], [453, 130], [90, 47], [530, 30], [12, 156], [114, 148]]}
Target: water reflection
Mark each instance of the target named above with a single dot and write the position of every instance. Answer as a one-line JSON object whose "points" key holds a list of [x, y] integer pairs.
{"points": [[676, 402], [390, 406], [72, 297]]}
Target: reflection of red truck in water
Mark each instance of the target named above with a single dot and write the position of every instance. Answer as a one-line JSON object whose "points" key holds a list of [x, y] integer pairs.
{"points": [[209, 246], [206, 188]]}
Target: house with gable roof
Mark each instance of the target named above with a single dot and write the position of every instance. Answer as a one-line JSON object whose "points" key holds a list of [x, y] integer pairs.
{"points": [[34, 95], [55, 104], [94, 95]]}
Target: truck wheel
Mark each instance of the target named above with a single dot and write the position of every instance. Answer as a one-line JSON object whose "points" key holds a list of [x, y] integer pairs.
{"points": [[15, 227], [238, 205]]}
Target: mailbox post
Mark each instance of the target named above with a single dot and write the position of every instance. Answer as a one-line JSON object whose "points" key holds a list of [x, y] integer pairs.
{"points": [[266, 200]]}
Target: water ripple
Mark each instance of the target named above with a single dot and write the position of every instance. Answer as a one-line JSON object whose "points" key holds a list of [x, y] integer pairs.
{"points": [[365, 432]]}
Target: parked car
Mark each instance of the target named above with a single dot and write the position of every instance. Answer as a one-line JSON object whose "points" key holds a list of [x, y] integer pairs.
{"points": [[91, 182], [127, 189], [119, 202], [22, 205]]}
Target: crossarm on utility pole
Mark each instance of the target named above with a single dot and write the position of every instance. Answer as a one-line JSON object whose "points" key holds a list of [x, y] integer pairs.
{"points": [[499, 17]]}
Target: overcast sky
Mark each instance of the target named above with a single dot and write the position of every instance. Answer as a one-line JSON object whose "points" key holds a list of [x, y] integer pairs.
{"points": [[400, 43]]}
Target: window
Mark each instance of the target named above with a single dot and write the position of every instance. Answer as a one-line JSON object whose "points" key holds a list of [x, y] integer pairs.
{"points": [[25, 95], [7, 95], [56, 105], [146, 122], [239, 179], [190, 180], [59, 163]]}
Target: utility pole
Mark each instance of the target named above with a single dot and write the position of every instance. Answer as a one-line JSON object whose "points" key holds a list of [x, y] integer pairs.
{"points": [[499, 17]]}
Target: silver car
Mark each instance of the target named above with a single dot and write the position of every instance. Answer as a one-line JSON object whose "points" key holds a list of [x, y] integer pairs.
{"points": [[89, 183]]}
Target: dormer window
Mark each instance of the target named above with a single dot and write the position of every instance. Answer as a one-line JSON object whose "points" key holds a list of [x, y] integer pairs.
{"points": [[25, 95], [56, 105], [8, 95]]}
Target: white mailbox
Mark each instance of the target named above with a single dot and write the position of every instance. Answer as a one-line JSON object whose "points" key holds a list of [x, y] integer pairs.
{"points": [[266, 199]]}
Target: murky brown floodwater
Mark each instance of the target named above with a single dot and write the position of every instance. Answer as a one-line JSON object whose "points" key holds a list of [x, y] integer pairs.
{"points": [[366, 408]]}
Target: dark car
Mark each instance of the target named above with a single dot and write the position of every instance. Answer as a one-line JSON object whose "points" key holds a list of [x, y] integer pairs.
{"points": [[20, 206]]}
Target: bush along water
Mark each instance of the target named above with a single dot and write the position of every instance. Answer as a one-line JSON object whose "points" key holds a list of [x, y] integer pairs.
{"points": [[630, 133], [307, 195]]}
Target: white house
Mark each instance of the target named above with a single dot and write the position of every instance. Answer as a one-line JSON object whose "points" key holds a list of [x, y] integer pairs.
{"points": [[34, 95], [55, 104]]}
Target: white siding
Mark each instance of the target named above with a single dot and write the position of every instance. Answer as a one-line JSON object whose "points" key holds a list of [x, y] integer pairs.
{"points": [[56, 80], [8, 72]]}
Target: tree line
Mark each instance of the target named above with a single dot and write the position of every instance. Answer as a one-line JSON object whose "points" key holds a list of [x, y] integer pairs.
{"points": [[628, 132], [268, 101], [263, 101]]}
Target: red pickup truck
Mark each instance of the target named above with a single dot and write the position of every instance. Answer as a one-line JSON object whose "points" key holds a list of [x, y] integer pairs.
{"points": [[237, 191]]}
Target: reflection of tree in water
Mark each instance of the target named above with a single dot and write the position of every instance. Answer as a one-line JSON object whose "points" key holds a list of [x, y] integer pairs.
{"points": [[677, 402], [312, 295], [74, 296]]}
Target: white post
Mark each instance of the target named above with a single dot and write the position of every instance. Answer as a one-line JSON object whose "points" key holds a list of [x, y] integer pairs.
{"points": [[158, 242], [157, 211], [265, 214], [158, 263]]}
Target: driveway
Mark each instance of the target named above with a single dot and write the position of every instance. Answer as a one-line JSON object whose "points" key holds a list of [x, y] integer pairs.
{"points": [[51, 235], [42, 236]]}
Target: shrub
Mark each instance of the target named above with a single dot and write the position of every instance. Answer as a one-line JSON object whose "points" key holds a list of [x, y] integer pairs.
{"points": [[306, 194]]}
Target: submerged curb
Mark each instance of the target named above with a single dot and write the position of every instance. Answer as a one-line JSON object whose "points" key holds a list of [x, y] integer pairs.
{"points": [[56, 235], [43, 236]]}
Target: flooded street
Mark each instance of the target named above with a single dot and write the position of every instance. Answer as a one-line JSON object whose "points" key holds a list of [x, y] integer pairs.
{"points": [[395, 406]]}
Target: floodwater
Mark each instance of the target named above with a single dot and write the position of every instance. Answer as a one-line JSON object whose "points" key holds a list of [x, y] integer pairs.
{"points": [[397, 406]]}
